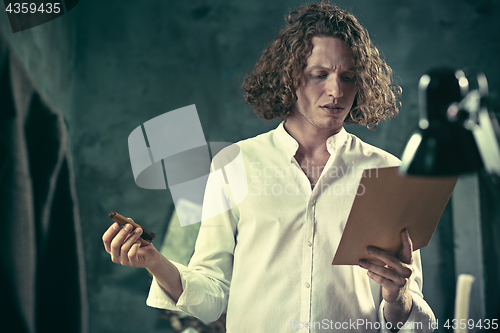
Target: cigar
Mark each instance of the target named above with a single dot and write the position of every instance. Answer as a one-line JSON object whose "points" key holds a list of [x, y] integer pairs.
{"points": [[122, 220]]}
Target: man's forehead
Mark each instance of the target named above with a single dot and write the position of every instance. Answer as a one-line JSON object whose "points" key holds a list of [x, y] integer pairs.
{"points": [[328, 53]]}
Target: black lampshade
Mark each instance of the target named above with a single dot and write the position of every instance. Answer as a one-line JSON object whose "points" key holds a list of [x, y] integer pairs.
{"points": [[440, 146]]}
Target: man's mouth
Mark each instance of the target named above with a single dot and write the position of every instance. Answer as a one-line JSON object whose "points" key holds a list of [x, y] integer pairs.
{"points": [[332, 108]]}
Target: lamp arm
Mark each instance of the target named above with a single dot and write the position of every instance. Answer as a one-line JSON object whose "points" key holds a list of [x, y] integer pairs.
{"points": [[487, 135], [473, 111]]}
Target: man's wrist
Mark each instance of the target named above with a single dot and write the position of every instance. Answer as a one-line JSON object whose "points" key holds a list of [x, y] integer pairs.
{"points": [[156, 263], [167, 276], [397, 313]]}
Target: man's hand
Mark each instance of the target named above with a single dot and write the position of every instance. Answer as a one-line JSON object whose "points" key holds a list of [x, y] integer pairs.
{"points": [[394, 278], [127, 249]]}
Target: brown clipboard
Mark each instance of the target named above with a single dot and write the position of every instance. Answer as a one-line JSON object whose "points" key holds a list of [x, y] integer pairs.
{"points": [[386, 203]]}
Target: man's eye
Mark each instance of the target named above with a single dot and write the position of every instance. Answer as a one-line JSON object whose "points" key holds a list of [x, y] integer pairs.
{"points": [[349, 78], [320, 75]]}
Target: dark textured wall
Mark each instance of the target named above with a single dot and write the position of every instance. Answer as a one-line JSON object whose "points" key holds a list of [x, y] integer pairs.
{"points": [[109, 66]]}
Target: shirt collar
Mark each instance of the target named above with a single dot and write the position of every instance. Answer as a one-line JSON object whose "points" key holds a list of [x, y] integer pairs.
{"points": [[291, 145], [336, 141]]}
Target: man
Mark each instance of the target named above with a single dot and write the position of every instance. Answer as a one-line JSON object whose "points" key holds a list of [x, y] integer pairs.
{"points": [[268, 260]]}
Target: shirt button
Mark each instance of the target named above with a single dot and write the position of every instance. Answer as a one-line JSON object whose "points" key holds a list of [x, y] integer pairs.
{"points": [[309, 243], [307, 285]]}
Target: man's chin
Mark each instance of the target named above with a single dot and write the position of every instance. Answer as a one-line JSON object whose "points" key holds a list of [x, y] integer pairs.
{"points": [[330, 125]]}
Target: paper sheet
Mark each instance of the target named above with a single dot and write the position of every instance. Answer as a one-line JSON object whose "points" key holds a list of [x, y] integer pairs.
{"points": [[388, 203]]}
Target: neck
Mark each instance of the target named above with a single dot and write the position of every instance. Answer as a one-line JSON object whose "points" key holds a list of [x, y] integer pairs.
{"points": [[311, 139]]}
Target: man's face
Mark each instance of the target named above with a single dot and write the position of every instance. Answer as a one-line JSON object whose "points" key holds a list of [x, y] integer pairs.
{"points": [[327, 85]]}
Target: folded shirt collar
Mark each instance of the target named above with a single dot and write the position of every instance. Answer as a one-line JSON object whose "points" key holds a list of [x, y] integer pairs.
{"points": [[291, 145]]}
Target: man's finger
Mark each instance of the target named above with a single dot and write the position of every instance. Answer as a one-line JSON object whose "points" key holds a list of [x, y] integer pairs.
{"points": [[131, 240], [118, 240], [133, 254], [391, 261], [108, 236], [384, 282], [407, 252], [385, 272]]}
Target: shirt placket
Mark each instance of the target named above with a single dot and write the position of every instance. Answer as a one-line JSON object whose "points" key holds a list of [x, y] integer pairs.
{"points": [[307, 263], [308, 252]]}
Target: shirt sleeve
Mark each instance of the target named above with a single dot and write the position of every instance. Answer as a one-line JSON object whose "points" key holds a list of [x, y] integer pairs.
{"points": [[421, 315], [201, 297], [206, 280]]}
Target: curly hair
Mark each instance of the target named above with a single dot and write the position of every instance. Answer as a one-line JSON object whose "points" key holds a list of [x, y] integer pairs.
{"points": [[271, 87]]}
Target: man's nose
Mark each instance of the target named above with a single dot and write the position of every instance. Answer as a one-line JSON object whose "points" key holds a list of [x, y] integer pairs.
{"points": [[333, 87]]}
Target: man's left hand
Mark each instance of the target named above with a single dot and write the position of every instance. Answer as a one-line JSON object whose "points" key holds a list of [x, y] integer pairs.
{"points": [[394, 278]]}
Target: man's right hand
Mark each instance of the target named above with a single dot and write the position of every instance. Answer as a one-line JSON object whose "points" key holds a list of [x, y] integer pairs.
{"points": [[128, 249]]}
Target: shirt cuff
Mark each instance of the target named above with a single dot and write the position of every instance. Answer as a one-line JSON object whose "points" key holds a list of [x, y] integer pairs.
{"points": [[420, 319], [158, 298]]}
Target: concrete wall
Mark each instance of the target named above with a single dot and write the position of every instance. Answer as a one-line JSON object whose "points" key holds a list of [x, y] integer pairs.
{"points": [[108, 66]]}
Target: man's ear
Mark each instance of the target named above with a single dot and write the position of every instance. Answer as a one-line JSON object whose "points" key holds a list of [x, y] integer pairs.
{"points": [[296, 82]]}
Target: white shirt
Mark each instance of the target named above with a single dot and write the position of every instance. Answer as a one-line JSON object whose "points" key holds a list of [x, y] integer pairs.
{"points": [[268, 259]]}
